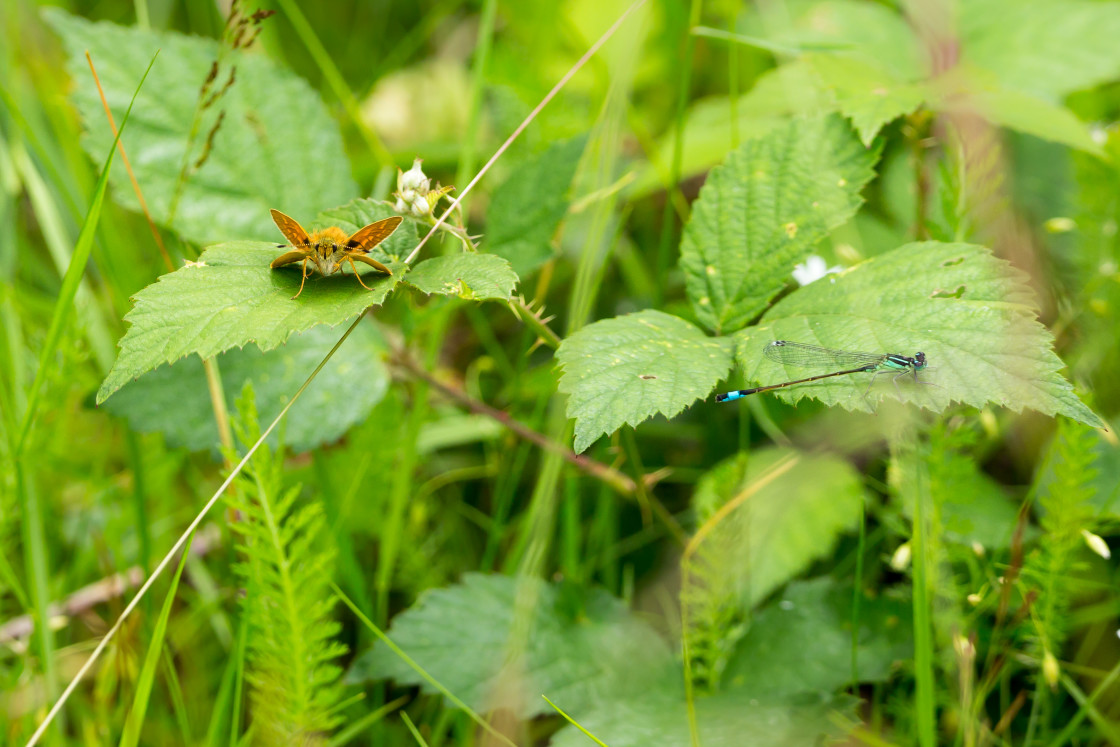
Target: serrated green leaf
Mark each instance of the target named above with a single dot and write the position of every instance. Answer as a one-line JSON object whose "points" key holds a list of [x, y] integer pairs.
{"points": [[865, 92], [659, 717], [229, 298], [526, 209], [972, 314], [762, 211], [276, 146], [175, 400], [478, 277], [627, 369], [577, 646], [361, 212], [772, 660], [789, 521], [1047, 48]]}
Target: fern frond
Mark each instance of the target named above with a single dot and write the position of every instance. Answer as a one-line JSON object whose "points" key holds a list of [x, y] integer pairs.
{"points": [[1066, 509], [286, 565], [713, 618]]}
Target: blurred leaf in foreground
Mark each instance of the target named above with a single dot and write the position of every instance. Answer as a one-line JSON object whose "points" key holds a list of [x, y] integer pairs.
{"points": [[769, 522], [727, 719], [772, 660], [525, 638]]}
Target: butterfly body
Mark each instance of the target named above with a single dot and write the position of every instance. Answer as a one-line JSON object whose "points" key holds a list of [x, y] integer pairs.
{"points": [[325, 251]]}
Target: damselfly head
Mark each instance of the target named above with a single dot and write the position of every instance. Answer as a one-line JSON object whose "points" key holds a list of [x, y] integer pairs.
{"points": [[919, 360]]}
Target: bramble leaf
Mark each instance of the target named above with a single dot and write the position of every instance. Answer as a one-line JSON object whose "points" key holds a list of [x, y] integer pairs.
{"points": [[475, 276], [627, 369], [497, 641], [231, 297], [526, 209], [972, 314], [762, 211], [275, 147], [175, 400]]}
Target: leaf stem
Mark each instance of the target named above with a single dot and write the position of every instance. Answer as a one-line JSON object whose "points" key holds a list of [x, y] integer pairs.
{"points": [[620, 482]]}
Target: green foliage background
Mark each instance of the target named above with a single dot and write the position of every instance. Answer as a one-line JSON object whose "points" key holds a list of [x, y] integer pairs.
{"points": [[509, 478]]}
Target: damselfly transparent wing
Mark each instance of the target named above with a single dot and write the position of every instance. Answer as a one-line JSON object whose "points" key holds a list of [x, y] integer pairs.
{"points": [[811, 356]]}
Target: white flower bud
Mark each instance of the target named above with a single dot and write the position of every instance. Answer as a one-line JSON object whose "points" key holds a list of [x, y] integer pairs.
{"points": [[1096, 543], [413, 179], [901, 558], [1051, 670]]}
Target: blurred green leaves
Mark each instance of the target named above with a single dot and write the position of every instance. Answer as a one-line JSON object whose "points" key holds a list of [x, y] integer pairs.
{"points": [[773, 660], [729, 719], [527, 208], [771, 514], [526, 638], [624, 370], [1008, 61], [267, 141]]}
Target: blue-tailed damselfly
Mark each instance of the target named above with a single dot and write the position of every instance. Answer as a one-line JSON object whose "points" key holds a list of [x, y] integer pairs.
{"points": [[800, 354]]}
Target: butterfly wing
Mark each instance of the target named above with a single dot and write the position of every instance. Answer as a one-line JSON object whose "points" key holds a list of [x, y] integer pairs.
{"points": [[359, 257], [288, 258], [292, 230], [370, 236]]}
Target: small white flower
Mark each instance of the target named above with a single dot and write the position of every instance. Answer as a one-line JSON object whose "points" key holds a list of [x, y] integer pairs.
{"points": [[814, 268], [1096, 543]]}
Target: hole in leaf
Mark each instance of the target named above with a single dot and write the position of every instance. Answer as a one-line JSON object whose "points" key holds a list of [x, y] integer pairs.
{"points": [[647, 376], [942, 293], [951, 262]]}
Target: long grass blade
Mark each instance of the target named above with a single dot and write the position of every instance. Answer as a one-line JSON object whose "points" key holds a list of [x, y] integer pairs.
{"points": [[420, 670], [130, 737], [73, 276]]}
